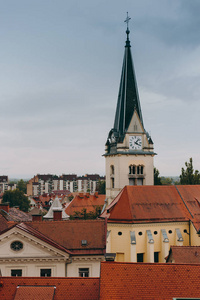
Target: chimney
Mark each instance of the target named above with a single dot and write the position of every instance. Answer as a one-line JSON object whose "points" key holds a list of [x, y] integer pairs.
{"points": [[96, 194], [87, 195], [5, 206], [57, 214], [36, 218], [81, 195]]}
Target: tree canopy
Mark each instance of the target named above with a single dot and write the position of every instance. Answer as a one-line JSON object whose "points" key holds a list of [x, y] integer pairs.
{"points": [[21, 185], [157, 178], [188, 175], [16, 198], [84, 215], [101, 187]]}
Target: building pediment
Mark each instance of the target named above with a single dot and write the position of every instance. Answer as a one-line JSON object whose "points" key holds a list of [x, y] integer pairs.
{"points": [[16, 244]]}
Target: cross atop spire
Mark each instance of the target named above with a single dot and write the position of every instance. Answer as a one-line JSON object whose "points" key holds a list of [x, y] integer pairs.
{"points": [[127, 20], [127, 30]]}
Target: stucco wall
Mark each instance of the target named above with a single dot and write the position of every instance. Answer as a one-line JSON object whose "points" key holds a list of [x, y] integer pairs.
{"points": [[122, 243]]}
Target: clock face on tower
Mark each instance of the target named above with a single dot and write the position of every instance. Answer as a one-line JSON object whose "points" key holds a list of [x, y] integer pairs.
{"points": [[135, 142]]}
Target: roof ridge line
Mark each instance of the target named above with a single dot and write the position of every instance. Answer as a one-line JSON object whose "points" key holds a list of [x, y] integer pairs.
{"points": [[183, 200]]}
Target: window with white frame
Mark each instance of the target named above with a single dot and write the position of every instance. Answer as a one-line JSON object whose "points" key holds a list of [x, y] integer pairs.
{"points": [[83, 272]]}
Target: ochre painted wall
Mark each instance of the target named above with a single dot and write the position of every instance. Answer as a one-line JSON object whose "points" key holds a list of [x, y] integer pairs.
{"points": [[122, 243]]}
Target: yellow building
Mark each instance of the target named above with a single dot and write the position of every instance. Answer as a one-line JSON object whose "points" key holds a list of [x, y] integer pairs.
{"points": [[144, 221]]}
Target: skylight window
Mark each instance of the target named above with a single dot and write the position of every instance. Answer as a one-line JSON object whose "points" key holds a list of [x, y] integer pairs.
{"points": [[84, 242]]}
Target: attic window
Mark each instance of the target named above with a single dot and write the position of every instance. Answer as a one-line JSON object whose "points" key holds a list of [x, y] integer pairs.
{"points": [[16, 246], [84, 242], [119, 233], [170, 231]]}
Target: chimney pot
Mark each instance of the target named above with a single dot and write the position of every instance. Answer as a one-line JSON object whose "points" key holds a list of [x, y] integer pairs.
{"points": [[5, 206], [57, 214], [36, 218]]}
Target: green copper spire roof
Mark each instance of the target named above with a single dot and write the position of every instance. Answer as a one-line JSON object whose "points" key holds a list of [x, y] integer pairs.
{"points": [[128, 97]]}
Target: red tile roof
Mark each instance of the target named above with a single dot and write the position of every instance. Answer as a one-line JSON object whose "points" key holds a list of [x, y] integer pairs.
{"points": [[66, 288], [35, 292], [69, 234], [149, 281], [4, 223], [38, 234], [18, 215], [147, 204], [184, 254], [90, 202], [190, 194]]}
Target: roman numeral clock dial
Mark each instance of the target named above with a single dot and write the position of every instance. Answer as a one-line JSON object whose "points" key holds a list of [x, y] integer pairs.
{"points": [[135, 142]]}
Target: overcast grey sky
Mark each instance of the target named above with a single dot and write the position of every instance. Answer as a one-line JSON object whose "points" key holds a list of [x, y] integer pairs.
{"points": [[60, 67]]}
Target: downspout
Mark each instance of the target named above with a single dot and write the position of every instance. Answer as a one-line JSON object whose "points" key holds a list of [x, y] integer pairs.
{"points": [[189, 233], [67, 263]]}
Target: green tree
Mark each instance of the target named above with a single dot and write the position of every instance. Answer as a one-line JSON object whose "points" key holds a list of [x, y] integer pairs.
{"points": [[70, 197], [157, 178], [188, 175], [16, 198], [101, 187], [166, 180], [84, 215], [21, 185]]}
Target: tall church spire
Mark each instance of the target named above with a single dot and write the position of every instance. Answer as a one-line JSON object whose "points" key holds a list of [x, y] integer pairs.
{"points": [[128, 97], [129, 150]]}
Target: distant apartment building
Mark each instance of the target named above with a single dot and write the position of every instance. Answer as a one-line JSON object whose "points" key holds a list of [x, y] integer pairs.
{"points": [[5, 185], [41, 184]]}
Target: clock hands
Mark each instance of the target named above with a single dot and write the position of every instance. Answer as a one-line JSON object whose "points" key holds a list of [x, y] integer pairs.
{"points": [[138, 142]]}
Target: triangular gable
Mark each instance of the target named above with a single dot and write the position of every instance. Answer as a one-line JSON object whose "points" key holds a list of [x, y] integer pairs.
{"points": [[135, 124], [119, 209], [32, 244]]}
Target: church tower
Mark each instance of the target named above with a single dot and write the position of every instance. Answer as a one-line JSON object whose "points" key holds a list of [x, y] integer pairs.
{"points": [[129, 149]]}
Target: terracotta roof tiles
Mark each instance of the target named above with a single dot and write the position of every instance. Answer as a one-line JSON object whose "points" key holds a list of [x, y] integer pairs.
{"points": [[69, 234], [184, 254], [4, 223], [149, 281], [66, 288], [147, 204], [18, 215], [35, 292], [90, 202], [190, 194]]}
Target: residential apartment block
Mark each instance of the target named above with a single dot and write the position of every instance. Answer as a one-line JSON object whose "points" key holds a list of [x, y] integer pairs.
{"points": [[5, 185], [41, 184]]}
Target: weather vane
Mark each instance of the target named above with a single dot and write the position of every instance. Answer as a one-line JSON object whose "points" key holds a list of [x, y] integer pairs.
{"points": [[127, 20]]}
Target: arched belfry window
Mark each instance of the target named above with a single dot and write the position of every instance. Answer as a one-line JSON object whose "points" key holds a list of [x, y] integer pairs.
{"points": [[112, 177], [140, 170], [132, 169], [112, 170]]}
